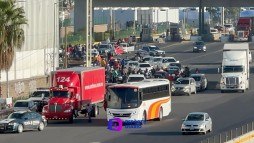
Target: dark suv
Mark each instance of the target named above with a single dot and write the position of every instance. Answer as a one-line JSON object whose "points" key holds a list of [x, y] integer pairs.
{"points": [[151, 50]]}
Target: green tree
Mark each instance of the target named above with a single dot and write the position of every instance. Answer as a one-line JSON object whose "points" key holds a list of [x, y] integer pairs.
{"points": [[214, 12], [11, 33], [232, 13]]}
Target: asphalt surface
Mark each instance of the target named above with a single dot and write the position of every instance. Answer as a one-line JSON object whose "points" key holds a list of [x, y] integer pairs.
{"points": [[228, 110]]}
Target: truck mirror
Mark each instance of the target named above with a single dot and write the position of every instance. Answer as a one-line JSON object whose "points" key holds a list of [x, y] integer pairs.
{"points": [[77, 96], [109, 97], [140, 96]]}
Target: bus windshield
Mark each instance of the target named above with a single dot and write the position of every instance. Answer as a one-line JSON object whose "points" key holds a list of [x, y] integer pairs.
{"points": [[123, 98]]}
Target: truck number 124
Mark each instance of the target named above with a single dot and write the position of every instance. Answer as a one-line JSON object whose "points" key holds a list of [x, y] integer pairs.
{"points": [[63, 79]]}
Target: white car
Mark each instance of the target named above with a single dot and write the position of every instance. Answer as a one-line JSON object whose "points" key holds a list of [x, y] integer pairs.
{"points": [[25, 105], [165, 61], [144, 66], [185, 85], [135, 78], [132, 64], [154, 61], [197, 122]]}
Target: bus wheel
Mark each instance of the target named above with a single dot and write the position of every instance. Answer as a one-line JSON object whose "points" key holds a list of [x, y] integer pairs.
{"points": [[160, 114], [144, 117]]}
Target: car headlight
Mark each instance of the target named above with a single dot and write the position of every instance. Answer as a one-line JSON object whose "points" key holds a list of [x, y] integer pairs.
{"points": [[195, 47], [67, 111], [204, 47], [44, 110], [183, 125], [12, 124], [202, 126]]}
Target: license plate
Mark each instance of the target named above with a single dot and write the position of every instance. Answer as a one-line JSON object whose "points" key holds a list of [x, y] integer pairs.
{"points": [[191, 129]]}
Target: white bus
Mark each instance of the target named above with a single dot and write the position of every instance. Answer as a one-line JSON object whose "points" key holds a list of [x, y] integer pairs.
{"points": [[145, 100]]}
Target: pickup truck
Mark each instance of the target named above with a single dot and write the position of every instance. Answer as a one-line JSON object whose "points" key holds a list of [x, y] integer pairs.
{"points": [[127, 48], [151, 50]]}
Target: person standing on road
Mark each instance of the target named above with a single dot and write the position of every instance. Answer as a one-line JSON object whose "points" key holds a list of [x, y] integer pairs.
{"points": [[89, 111]]}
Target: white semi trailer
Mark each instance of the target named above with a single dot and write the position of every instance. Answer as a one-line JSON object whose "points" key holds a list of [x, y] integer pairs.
{"points": [[235, 70]]}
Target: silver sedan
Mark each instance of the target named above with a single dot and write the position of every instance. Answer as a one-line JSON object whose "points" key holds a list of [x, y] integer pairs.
{"points": [[197, 122]]}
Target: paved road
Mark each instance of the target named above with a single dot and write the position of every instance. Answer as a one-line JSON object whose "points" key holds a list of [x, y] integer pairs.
{"points": [[227, 111]]}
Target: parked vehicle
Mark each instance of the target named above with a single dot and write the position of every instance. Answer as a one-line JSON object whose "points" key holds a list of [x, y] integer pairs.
{"points": [[23, 120], [25, 105], [235, 71], [151, 50], [185, 86], [229, 27], [199, 46], [73, 88], [135, 78], [162, 74], [197, 122], [201, 81], [40, 97]]}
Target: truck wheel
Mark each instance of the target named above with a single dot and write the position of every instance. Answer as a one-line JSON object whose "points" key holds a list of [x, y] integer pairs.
{"points": [[243, 91], [71, 119], [222, 91], [95, 110]]}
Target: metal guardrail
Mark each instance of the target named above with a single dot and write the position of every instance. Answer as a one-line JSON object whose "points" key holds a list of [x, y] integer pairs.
{"points": [[231, 134]]}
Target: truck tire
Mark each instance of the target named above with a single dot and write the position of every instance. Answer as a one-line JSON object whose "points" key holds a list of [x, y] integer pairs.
{"points": [[95, 110], [222, 91], [71, 119], [243, 90]]}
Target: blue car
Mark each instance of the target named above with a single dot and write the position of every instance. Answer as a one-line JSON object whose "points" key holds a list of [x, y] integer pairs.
{"points": [[199, 46], [23, 120]]}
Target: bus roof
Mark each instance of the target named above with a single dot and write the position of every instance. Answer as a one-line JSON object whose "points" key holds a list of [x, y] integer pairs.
{"points": [[143, 84]]}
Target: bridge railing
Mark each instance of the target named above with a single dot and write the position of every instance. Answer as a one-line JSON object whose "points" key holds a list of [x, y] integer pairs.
{"points": [[230, 134]]}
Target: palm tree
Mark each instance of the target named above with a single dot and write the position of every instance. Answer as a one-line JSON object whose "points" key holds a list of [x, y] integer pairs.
{"points": [[11, 33]]}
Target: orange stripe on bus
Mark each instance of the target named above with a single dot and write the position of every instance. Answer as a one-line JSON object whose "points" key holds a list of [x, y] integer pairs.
{"points": [[154, 108]]}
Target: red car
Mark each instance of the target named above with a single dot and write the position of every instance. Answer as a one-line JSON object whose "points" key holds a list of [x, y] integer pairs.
{"points": [[119, 50]]}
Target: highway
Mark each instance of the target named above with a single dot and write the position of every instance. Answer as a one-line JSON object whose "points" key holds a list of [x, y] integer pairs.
{"points": [[228, 110]]}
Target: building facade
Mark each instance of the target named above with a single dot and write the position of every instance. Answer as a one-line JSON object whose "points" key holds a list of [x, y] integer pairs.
{"points": [[36, 57]]}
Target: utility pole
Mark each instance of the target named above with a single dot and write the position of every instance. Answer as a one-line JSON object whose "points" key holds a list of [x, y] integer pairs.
{"points": [[89, 34], [66, 49]]}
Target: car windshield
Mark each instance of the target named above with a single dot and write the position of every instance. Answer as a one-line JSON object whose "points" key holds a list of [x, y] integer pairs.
{"points": [[21, 104], [182, 81], [199, 43], [103, 47], [144, 65], [175, 64], [227, 25], [154, 48], [40, 94], [15, 116], [195, 117], [133, 64], [123, 98], [168, 60], [61, 94], [229, 69], [197, 78], [135, 79], [156, 59], [146, 59]]}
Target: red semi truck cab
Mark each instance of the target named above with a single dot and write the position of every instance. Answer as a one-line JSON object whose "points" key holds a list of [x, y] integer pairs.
{"points": [[243, 29], [73, 88]]}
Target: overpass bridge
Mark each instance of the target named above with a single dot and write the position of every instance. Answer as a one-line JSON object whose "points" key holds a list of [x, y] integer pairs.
{"points": [[172, 3]]}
